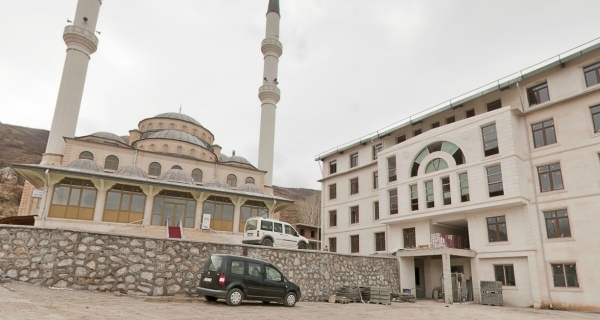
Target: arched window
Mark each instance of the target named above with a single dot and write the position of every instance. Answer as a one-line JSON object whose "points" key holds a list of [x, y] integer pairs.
{"points": [[172, 126], [203, 156], [203, 135], [197, 175], [221, 213], [435, 165], [86, 155], [165, 148], [143, 127], [193, 153], [154, 169], [124, 204], [444, 146], [179, 150], [232, 180], [184, 129], [149, 126], [176, 167], [73, 199], [152, 148], [210, 159], [252, 209], [171, 207], [160, 125], [250, 180], [141, 147], [195, 132], [111, 163]]}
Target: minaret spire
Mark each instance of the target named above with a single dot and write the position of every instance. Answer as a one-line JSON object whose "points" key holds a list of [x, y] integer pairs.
{"points": [[269, 94], [81, 43]]}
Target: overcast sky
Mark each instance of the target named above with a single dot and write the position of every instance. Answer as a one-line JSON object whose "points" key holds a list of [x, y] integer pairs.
{"points": [[349, 67]]}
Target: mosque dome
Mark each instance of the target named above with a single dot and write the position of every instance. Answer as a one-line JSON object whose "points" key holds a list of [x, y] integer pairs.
{"points": [[178, 116], [223, 158], [85, 165], [131, 171], [217, 184], [108, 135], [177, 175], [179, 136], [250, 187]]}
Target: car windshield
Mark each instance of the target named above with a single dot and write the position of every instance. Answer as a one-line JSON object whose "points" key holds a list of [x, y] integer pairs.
{"points": [[251, 225], [213, 263]]}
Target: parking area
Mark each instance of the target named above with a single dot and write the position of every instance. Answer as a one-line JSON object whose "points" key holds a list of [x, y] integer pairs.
{"points": [[25, 301]]}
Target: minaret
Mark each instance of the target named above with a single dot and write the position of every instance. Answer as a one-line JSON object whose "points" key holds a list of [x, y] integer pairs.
{"points": [[81, 43], [269, 93]]}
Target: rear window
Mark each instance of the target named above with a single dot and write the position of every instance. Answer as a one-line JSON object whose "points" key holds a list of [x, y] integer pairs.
{"points": [[251, 225], [266, 225], [213, 263]]}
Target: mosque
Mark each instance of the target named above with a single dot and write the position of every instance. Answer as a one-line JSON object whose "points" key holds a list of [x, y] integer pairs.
{"points": [[168, 172]]}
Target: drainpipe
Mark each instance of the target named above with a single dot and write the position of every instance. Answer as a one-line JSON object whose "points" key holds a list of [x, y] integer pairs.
{"points": [[537, 209]]}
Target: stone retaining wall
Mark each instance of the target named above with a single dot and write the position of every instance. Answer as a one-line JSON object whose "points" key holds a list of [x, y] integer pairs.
{"points": [[150, 266]]}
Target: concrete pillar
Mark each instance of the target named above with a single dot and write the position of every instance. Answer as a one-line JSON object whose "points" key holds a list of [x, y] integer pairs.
{"points": [[447, 278], [150, 193], [475, 278], [407, 273], [237, 213], [430, 278]]}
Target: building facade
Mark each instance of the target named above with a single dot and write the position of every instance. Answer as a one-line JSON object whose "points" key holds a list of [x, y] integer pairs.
{"points": [[499, 184]]}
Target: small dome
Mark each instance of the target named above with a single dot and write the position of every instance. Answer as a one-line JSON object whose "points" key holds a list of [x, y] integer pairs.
{"points": [[179, 136], [223, 158], [131, 171], [177, 175], [250, 187], [178, 116], [108, 135], [237, 159], [217, 184], [85, 165]]}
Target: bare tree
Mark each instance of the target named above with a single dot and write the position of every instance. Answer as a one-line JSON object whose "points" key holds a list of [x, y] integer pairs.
{"points": [[309, 210]]}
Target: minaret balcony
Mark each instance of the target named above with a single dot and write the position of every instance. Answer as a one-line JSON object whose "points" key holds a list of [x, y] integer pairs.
{"points": [[77, 37], [271, 46], [269, 92]]}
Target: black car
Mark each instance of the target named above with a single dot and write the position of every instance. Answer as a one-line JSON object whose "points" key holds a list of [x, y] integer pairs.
{"points": [[237, 278]]}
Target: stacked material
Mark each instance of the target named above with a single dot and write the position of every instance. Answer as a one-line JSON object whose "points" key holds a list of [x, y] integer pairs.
{"points": [[491, 293], [377, 295], [352, 293]]}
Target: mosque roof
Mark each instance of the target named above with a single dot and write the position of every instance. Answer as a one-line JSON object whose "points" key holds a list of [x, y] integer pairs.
{"points": [[177, 135], [131, 171], [250, 187], [107, 135], [217, 184], [178, 116], [237, 159], [177, 175], [85, 165]]}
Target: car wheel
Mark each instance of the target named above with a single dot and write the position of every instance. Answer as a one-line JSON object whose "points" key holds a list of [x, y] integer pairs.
{"points": [[302, 245], [210, 298], [234, 297], [267, 242], [290, 299]]}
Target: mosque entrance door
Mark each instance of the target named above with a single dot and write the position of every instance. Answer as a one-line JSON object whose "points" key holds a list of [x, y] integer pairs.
{"points": [[173, 213]]}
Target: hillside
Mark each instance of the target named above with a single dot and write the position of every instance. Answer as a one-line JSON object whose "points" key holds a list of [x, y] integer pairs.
{"points": [[26, 145]]}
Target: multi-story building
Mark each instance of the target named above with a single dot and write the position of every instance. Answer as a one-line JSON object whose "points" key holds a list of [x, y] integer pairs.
{"points": [[499, 184]]}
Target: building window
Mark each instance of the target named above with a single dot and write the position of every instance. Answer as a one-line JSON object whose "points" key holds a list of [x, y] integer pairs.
{"points": [[249, 180], [154, 169], [192, 153], [375, 179], [150, 125], [354, 160], [354, 248], [333, 218], [497, 229], [393, 201], [376, 210], [595, 117], [354, 215], [380, 241], [400, 139], [197, 175], [252, 209], [232, 180], [470, 113], [376, 149], [195, 132], [179, 150], [73, 199], [429, 194], [543, 133], [160, 125], [410, 239], [450, 120], [176, 167], [464, 187], [436, 164], [165, 148], [174, 207], [221, 213], [538, 94], [444, 146], [592, 74], [124, 204], [391, 169], [354, 186], [494, 176], [490, 140], [332, 167], [557, 224], [550, 177], [152, 148], [86, 155], [435, 124], [497, 104], [332, 191], [417, 132], [414, 198], [184, 129], [172, 126], [312, 233], [302, 232], [565, 275], [111, 163], [505, 274], [333, 244], [446, 191]]}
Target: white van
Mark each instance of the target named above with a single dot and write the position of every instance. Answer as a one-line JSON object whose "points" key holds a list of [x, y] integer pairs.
{"points": [[271, 232]]}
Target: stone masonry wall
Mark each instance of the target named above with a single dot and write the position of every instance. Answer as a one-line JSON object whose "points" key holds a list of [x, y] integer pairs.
{"points": [[150, 266]]}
